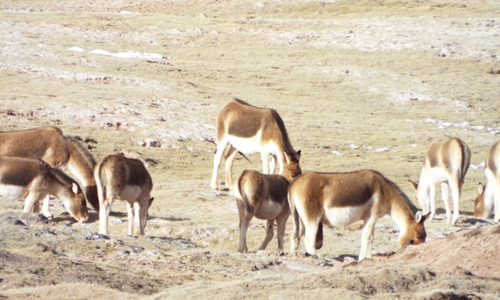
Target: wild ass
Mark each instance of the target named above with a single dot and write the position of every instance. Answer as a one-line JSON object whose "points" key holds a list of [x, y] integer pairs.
{"points": [[49, 144], [447, 163], [126, 179], [249, 129], [265, 197], [339, 199], [33, 179], [488, 199]]}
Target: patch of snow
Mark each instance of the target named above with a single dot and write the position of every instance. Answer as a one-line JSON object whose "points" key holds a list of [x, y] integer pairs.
{"points": [[337, 153]]}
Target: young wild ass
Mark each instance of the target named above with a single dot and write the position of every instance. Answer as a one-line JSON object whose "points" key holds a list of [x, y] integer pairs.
{"points": [[249, 129], [265, 197], [339, 199], [447, 163], [33, 179], [49, 144], [126, 179], [488, 199]]}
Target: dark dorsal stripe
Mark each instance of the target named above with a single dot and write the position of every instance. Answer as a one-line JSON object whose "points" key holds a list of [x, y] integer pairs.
{"points": [[85, 153]]}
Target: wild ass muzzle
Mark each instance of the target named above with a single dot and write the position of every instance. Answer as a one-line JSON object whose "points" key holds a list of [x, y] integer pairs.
{"points": [[339, 199], [126, 179], [48, 144], [249, 129], [33, 180], [487, 201], [263, 196], [446, 163]]}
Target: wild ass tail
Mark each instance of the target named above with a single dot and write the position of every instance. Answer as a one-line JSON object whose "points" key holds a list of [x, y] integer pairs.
{"points": [[239, 192], [100, 182], [465, 161], [295, 237]]}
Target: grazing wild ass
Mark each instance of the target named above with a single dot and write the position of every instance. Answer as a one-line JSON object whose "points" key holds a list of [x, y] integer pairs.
{"points": [[488, 199], [265, 197], [249, 129], [48, 144], [339, 199], [126, 179], [447, 163], [33, 179]]}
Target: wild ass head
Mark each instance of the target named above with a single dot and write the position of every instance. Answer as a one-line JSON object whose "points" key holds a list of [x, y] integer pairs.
{"points": [[415, 233], [292, 168], [479, 210], [77, 206]]}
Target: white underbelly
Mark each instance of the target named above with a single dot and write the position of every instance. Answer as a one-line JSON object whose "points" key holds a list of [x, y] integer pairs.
{"points": [[130, 193], [268, 210], [342, 216], [247, 145], [12, 192]]}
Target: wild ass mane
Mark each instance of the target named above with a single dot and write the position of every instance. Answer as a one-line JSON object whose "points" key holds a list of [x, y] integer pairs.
{"points": [[89, 158]]}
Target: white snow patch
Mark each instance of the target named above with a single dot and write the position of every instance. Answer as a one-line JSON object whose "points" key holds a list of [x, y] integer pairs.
{"points": [[129, 54], [337, 153]]}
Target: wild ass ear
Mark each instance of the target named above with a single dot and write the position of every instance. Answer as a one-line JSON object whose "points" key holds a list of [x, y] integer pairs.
{"points": [[150, 201], [298, 154], [413, 184], [420, 217], [75, 188], [480, 188]]}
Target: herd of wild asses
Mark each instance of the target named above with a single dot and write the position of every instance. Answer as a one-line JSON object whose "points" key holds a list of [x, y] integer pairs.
{"points": [[29, 162]]}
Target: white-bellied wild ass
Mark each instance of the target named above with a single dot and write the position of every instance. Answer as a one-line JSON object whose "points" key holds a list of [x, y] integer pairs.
{"points": [[488, 199], [447, 163], [49, 144], [265, 197], [33, 179], [249, 129], [126, 179], [339, 199]]}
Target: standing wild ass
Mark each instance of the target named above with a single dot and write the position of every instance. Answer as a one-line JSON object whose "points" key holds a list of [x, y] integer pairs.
{"points": [[265, 197], [126, 179], [49, 144], [488, 199], [447, 163], [249, 129], [33, 179], [339, 199]]}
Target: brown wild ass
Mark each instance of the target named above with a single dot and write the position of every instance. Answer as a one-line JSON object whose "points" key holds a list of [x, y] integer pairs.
{"points": [[126, 179], [249, 129], [488, 199], [49, 144], [33, 179], [265, 197], [447, 163], [339, 199]]}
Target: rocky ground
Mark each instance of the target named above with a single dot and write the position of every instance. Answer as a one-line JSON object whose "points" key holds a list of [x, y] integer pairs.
{"points": [[364, 84]]}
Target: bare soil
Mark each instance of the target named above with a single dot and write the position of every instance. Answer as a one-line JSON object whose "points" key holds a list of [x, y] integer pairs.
{"points": [[359, 84]]}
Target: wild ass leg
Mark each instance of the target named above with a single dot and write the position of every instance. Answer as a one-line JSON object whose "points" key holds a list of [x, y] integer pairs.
{"points": [[265, 162], [311, 231], [367, 238], [244, 223], [281, 224], [446, 197], [432, 201], [130, 218], [269, 234], [45, 207], [272, 163], [241, 211], [31, 201], [228, 169], [221, 146], [138, 230], [455, 187], [104, 209], [496, 202], [144, 204]]}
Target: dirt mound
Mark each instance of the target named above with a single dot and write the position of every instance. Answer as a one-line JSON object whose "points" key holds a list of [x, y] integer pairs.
{"points": [[466, 251]]}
